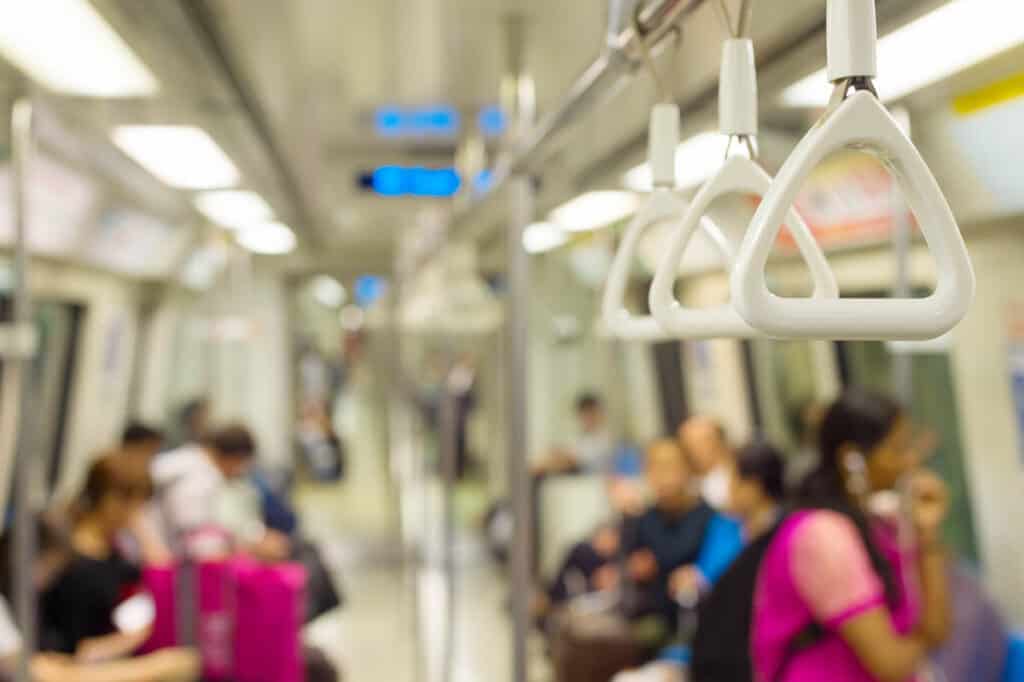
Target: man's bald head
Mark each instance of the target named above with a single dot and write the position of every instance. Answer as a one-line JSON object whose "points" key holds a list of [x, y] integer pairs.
{"points": [[705, 442]]}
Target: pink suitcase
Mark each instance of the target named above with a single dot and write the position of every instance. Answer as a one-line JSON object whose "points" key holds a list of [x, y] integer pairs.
{"points": [[213, 618], [270, 608]]}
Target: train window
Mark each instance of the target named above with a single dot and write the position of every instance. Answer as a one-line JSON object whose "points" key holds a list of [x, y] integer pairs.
{"points": [[932, 405]]}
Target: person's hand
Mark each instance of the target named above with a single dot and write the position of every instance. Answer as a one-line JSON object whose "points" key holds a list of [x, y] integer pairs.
{"points": [[605, 578], [929, 505], [643, 566], [606, 542], [686, 581], [273, 547], [540, 604]]}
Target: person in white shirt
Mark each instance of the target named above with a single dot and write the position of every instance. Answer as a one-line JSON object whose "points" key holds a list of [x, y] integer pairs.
{"points": [[204, 503], [594, 447], [712, 456]]}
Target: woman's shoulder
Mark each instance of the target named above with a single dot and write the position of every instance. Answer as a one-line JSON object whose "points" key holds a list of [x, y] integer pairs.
{"points": [[818, 524]]}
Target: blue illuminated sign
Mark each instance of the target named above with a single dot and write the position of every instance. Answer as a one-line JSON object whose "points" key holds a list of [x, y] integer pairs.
{"points": [[438, 121], [399, 181], [368, 289], [492, 121], [484, 181]]}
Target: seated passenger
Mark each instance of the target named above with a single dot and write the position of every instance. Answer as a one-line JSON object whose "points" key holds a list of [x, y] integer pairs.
{"points": [[203, 494], [77, 608], [193, 424], [712, 457], [756, 493], [594, 447], [141, 442], [589, 567], [52, 557], [680, 542], [758, 489]]}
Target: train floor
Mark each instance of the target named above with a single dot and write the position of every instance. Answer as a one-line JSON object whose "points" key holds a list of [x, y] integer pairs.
{"points": [[377, 635]]}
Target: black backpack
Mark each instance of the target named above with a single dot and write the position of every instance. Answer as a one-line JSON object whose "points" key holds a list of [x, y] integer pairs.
{"points": [[721, 645]]}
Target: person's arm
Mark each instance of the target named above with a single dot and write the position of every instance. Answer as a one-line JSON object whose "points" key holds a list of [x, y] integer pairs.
{"points": [[833, 574], [169, 665], [110, 647], [930, 504], [153, 550], [723, 542]]}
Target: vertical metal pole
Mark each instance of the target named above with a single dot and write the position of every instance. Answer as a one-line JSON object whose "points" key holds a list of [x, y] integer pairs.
{"points": [[516, 424], [521, 104], [24, 523], [448, 447], [902, 362], [407, 468]]}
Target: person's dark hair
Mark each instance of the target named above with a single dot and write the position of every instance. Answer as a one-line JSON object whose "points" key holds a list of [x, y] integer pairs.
{"points": [[588, 401], [49, 537], [137, 432], [110, 474], [864, 419], [761, 462], [233, 441]]}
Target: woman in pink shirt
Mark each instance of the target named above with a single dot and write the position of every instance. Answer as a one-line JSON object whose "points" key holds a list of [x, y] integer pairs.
{"points": [[839, 596]]}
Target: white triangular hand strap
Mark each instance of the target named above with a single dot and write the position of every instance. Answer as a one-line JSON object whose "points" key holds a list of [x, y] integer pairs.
{"points": [[861, 122], [664, 205], [739, 175]]}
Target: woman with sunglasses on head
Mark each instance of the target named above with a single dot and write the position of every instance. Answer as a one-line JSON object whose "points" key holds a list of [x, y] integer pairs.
{"points": [[77, 609], [853, 587]]}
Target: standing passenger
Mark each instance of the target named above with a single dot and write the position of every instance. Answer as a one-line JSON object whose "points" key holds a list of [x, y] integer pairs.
{"points": [[838, 594]]}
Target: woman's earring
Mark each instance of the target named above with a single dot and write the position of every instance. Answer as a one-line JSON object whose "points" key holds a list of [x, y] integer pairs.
{"points": [[856, 475]]}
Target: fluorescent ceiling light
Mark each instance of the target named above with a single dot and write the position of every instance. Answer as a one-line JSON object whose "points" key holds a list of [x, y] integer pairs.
{"points": [[543, 237], [66, 46], [271, 239], [234, 209], [181, 156], [934, 47], [328, 291], [594, 209], [697, 158]]}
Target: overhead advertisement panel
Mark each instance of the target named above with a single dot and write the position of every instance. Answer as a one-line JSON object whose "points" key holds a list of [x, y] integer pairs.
{"points": [[134, 243], [986, 125], [59, 202]]}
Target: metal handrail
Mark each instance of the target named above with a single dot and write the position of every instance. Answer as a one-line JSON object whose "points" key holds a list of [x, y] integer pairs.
{"points": [[613, 68]]}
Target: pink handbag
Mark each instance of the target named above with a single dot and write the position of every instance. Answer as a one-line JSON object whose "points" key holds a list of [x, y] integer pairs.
{"points": [[270, 609]]}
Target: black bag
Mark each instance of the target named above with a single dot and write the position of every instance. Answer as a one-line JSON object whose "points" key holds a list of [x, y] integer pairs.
{"points": [[721, 645], [321, 593]]}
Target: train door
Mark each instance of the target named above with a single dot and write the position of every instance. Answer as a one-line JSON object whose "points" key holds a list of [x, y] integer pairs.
{"points": [[933, 405], [58, 325]]}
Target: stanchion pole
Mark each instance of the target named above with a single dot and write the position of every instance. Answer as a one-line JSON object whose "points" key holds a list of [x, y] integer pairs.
{"points": [[902, 361], [520, 102], [21, 387], [516, 423]]}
